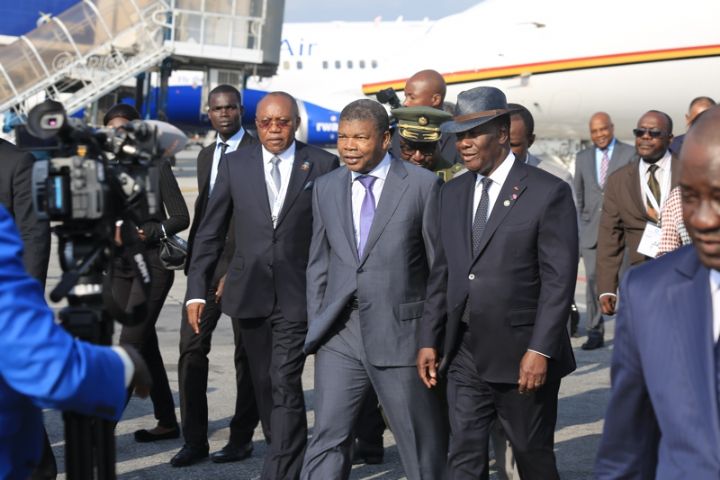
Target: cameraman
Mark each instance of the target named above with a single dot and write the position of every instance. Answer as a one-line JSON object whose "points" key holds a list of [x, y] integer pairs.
{"points": [[42, 366], [126, 287]]}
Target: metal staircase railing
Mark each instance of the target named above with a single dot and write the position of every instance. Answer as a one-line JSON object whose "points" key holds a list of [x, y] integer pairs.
{"points": [[83, 53]]}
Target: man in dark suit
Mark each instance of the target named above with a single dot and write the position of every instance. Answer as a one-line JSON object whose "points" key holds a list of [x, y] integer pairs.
{"points": [[266, 191], [505, 284], [634, 196], [374, 241], [16, 196], [663, 419], [593, 166], [225, 111]]}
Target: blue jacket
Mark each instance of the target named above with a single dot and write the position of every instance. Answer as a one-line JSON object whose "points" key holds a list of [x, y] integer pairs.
{"points": [[41, 365], [662, 420]]}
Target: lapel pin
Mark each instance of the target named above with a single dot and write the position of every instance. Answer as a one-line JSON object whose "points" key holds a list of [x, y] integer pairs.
{"points": [[305, 166], [516, 188], [506, 203], [514, 196]]}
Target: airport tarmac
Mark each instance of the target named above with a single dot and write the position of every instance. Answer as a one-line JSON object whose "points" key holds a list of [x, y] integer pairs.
{"points": [[582, 402]]}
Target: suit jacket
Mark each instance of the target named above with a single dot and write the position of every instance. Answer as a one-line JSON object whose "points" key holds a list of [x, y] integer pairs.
{"points": [[623, 220], [16, 195], [267, 263], [204, 167], [662, 419], [589, 193], [518, 287], [42, 366], [390, 279]]}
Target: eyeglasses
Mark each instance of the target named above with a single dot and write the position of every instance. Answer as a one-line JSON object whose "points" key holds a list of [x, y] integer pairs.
{"points": [[265, 123], [425, 148], [653, 132]]}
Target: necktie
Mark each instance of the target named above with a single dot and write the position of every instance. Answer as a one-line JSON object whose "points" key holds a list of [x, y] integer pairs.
{"points": [[367, 211], [481, 215], [213, 178], [275, 177], [604, 162], [275, 173], [654, 189]]}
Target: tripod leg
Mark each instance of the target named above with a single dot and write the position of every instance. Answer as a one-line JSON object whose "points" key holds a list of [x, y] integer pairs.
{"points": [[78, 447]]}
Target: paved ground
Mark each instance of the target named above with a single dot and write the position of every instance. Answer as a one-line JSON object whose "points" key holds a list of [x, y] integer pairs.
{"points": [[583, 397]]}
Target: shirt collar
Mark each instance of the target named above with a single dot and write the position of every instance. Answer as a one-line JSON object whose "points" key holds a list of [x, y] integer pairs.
{"points": [[380, 171], [608, 149], [233, 141], [288, 154], [714, 280], [501, 173], [663, 164]]}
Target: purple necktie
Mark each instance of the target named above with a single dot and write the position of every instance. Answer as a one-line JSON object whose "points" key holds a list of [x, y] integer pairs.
{"points": [[367, 211]]}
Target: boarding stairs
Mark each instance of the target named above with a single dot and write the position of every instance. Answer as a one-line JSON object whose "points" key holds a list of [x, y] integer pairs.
{"points": [[98, 45]]}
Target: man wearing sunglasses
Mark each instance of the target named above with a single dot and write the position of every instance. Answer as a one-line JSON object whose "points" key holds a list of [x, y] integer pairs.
{"points": [[634, 196], [266, 191]]}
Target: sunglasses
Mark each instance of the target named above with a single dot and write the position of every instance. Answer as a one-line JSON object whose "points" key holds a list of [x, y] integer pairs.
{"points": [[409, 148], [279, 122], [653, 133]]}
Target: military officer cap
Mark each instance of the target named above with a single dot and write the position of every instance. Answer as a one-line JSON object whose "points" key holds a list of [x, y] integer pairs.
{"points": [[420, 124]]}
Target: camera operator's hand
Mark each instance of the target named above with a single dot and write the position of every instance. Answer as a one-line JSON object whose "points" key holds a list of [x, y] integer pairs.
{"points": [[141, 234], [194, 312], [220, 289], [141, 381]]}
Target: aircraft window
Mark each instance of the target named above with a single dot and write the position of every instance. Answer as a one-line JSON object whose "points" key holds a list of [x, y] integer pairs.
{"points": [[337, 64], [361, 63], [299, 65], [349, 64], [286, 65], [374, 64], [325, 64]]}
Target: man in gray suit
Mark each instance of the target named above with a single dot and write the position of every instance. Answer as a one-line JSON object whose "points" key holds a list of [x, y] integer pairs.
{"points": [[593, 166], [374, 242]]}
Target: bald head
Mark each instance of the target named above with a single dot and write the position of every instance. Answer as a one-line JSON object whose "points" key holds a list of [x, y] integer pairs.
{"points": [[698, 106], [602, 130], [425, 89], [700, 186]]}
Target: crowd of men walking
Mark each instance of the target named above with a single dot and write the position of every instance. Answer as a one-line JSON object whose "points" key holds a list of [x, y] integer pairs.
{"points": [[433, 276]]}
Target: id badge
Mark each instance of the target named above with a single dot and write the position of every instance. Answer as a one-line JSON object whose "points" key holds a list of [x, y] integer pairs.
{"points": [[650, 241]]}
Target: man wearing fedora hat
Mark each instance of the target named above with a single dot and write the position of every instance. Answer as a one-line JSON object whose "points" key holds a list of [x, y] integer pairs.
{"points": [[495, 315]]}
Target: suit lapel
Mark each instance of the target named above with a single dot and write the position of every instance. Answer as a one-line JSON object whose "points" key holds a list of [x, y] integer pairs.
{"points": [[392, 192], [464, 216], [692, 321], [634, 190], [510, 193], [343, 202], [256, 180], [205, 158], [301, 169]]}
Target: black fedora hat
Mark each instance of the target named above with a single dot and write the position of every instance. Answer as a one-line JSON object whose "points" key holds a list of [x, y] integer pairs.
{"points": [[475, 107]]}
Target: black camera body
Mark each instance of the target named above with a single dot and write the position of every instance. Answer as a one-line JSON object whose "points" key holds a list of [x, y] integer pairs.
{"points": [[388, 96], [93, 175]]}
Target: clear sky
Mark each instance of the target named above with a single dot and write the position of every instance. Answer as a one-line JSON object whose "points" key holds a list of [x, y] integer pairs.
{"points": [[367, 10]]}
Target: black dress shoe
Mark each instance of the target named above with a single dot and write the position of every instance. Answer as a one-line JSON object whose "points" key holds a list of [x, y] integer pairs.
{"points": [[232, 453], [189, 455], [368, 454], [593, 342], [146, 436]]}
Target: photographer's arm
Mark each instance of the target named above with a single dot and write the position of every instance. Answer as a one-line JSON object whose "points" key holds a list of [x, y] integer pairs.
{"points": [[40, 360]]}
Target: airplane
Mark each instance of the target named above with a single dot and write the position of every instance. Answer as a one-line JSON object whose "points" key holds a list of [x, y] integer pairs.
{"points": [[561, 59]]}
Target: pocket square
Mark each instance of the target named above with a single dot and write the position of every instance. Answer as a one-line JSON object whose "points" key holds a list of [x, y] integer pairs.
{"points": [[309, 185]]}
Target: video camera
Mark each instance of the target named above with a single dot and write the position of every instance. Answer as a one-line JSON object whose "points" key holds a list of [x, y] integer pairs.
{"points": [[93, 182], [388, 96]]}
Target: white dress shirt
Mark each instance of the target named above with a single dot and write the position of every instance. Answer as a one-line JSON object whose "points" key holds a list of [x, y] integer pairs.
{"points": [[285, 166], [662, 174], [598, 159], [232, 145], [715, 294], [498, 178], [380, 172]]}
